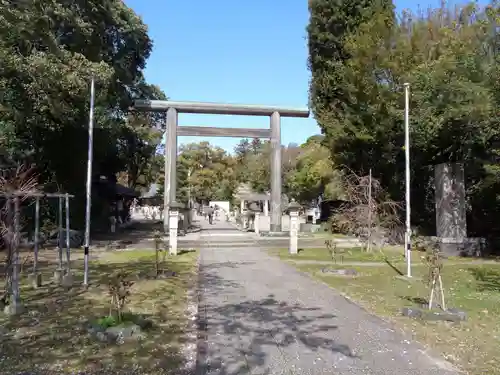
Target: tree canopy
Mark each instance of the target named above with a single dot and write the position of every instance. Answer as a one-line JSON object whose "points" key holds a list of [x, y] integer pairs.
{"points": [[450, 59], [50, 51], [206, 172]]}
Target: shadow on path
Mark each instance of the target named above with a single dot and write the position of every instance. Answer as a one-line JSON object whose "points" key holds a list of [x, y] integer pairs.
{"points": [[253, 335]]}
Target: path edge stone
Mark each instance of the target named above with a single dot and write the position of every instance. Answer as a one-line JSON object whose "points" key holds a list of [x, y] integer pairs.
{"points": [[189, 349]]}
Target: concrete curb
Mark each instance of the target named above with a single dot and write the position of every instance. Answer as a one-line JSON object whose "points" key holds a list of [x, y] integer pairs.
{"points": [[189, 348]]}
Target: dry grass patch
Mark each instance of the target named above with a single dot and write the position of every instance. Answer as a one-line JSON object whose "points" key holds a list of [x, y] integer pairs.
{"points": [[474, 289], [52, 336]]}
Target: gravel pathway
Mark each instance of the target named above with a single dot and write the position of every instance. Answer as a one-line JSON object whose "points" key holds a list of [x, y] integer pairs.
{"points": [[259, 315]]}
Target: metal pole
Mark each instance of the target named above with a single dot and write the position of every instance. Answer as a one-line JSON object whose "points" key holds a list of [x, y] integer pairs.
{"points": [[37, 234], [89, 186], [68, 248], [407, 173], [60, 237]]}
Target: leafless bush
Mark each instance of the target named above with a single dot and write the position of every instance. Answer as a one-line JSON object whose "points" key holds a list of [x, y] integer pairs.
{"points": [[119, 289], [368, 212], [15, 183], [433, 259]]}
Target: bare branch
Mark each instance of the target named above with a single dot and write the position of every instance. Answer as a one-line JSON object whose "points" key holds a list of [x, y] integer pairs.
{"points": [[361, 203]]}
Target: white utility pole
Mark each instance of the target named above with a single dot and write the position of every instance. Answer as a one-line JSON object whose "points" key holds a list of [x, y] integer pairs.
{"points": [[89, 185], [407, 175]]}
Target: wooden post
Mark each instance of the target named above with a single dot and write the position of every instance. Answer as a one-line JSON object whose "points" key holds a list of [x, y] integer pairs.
{"points": [[58, 273], [443, 305], [35, 277], [433, 287], [15, 307], [60, 238]]}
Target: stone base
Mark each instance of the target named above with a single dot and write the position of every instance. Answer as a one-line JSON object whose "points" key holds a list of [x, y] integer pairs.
{"points": [[165, 275], [275, 234], [127, 331], [67, 280], [309, 228], [464, 247], [14, 309], [340, 272], [450, 315], [117, 335], [35, 279], [275, 228], [58, 275]]}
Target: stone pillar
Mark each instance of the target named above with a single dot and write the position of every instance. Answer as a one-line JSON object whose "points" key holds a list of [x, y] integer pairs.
{"points": [[256, 222], [173, 222], [451, 225], [276, 208], [266, 208], [244, 220], [170, 154], [112, 224], [293, 211], [242, 205]]}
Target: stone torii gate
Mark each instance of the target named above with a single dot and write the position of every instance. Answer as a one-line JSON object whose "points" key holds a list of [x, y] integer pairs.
{"points": [[173, 130]]}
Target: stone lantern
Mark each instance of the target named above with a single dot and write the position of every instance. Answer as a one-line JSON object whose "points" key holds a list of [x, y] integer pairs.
{"points": [[173, 225], [293, 210]]}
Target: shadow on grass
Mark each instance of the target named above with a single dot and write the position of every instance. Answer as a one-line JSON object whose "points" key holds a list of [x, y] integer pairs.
{"points": [[394, 268], [487, 279], [135, 233], [419, 301], [185, 251], [245, 336], [51, 337]]}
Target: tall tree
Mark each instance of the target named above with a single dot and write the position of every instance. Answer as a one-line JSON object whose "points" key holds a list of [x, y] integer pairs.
{"points": [[447, 57], [329, 23], [50, 50], [205, 173], [314, 174]]}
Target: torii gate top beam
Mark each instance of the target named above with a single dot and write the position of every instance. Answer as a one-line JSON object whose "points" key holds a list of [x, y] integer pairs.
{"points": [[218, 108]]}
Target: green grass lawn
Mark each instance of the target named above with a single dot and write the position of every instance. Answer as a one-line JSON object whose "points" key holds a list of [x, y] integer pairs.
{"points": [[355, 254], [51, 333], [472, 345], [392, 254]]}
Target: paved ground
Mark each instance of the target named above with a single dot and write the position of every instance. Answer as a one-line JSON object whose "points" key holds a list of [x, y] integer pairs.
{"points": [[261, 316]]}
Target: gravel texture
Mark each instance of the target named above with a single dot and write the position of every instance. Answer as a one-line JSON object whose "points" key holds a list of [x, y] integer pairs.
{"points": [[258, 315]]}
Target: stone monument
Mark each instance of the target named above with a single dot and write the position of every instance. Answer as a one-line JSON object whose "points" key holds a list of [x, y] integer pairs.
{"points": [[451, 225]]}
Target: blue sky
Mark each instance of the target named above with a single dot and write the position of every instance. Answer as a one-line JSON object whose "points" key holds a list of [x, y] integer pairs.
{"points": [[249, 52]]}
